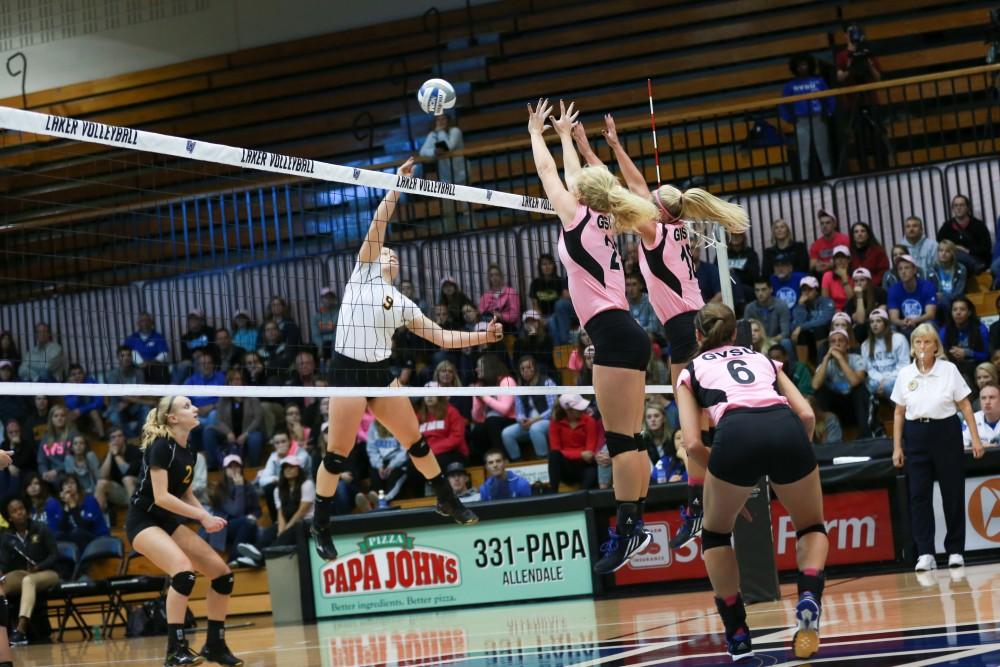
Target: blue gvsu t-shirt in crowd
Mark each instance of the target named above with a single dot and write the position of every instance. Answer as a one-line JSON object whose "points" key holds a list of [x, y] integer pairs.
{"points": [[912, 304], [787, 289]]}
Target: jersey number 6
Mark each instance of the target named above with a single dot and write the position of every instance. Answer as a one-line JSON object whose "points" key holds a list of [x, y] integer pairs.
{"points": [[739, 372]]}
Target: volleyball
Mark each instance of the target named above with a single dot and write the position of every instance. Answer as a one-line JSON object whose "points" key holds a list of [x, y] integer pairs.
{"points": [[436, 96]]}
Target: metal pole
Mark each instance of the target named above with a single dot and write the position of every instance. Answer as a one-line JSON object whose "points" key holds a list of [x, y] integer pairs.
{"points": [[722, 260]]}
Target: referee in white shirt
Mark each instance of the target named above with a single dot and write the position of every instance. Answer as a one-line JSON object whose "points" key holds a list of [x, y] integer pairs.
{"points": [[927, 394], [987, 420]]}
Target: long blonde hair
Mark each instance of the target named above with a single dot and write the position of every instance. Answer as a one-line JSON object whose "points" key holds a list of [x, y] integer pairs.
{"points": [[697, 205], [156, 421], [600, 190]]}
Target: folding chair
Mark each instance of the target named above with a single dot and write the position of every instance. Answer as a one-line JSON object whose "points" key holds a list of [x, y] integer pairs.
{"points": [[135, 582]]}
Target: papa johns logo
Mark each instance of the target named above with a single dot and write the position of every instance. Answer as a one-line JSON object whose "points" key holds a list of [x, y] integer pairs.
{"points": [[388, 562], [984, 509]]}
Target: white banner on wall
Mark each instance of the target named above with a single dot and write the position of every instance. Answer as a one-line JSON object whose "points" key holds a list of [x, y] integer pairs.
{"points": [[982, 514]]}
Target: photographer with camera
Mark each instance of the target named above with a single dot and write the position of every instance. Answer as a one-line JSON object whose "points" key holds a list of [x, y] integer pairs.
{"points": [[856, 65]]}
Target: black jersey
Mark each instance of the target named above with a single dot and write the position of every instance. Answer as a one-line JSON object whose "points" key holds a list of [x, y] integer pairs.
{"points": [[176, 460]]}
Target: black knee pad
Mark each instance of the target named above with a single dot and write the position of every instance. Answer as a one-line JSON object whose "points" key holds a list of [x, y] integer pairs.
{"points": [[334, 463], [183, 582], [711, 540], [815, 528], [619, 443], [223, 585], [4, 611], [419, 449]]}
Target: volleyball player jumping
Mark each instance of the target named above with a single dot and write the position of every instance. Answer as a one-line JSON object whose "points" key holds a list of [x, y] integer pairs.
{"points": [[763, 427], [593, 207], [667, 268], [162, 500], [370, 311]]}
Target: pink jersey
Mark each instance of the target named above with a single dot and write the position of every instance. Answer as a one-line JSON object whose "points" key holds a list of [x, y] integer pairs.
{"points": [[732, 377], [669, 273], [593, 267]]}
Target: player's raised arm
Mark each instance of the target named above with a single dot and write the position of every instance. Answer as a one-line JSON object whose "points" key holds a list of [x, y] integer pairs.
{"points": [[375, 238], [564, 203], [634, 179]]}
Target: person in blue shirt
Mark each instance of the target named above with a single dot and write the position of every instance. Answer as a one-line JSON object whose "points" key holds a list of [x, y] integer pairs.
{"points": [[502, 483], [83, 409], [639, 305], [707, 274], [150, 351], [811, 316], [810, 117], [785, 281], [965, 339], [912, 301], [205, 375]]}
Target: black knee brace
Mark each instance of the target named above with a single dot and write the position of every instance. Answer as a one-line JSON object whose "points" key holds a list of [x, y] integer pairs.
{"points": [[223, 585], [711, 539], [619, 443], [815, 528], [334, 463], [639, 442], [183, 582], [4, 612], [419, 449]]}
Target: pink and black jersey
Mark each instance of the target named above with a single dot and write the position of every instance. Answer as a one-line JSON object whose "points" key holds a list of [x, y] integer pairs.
{"points": [[732, 377], [668, 270], [593, 267]]}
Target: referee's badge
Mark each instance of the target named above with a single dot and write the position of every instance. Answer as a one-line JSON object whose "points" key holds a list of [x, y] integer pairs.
{"points": [[912, 386]]}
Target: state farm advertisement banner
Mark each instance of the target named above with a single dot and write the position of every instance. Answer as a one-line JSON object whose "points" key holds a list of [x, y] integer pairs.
{"points": [[982, 514], [494, 561], [858, 523]]}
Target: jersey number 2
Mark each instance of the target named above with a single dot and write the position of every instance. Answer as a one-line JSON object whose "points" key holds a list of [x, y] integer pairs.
{"points": [[739, 372], [614, 265], [188, 473]]}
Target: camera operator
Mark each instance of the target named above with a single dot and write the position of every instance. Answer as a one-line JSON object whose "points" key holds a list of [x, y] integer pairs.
{"points": [[859, 116]]}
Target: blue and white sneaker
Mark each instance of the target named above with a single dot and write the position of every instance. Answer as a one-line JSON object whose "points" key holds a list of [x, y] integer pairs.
{"points": [[805, 643], [619, 549], [739, 645], [690, 529]]}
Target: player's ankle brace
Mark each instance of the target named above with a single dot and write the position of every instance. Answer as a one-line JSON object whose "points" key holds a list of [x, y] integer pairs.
{"points": [[733, 613], [812, 581]]}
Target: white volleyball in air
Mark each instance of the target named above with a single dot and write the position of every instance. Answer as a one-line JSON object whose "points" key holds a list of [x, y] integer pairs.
{"points": [[436, 96]]}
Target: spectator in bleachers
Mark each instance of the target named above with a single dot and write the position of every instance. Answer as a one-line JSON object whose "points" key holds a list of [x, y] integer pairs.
{"points": [[630, 257], [82, 464], [785, 281], [198, 337], [948, 274], [453, 298], [657, 371], [867, 252], [150, 351], [445, 374], [390, 466], [773, 313], [12, 407], [324, 322], [969, 234], [500, 299], [119, 472], [575, 361], [255, 375], [917, 245], [44, 361], [458, 479], [828, 429], [236, 502], [912, 301], [867, 297], [55, 445], [572, 443], [549, 295], [707, 274], [811, 317], [859, 117], [36, 494], [532, 413], [660, 446], [885, 353], [299, 431], [37, 420], [821, 250], [444, 430], [305, 376], [127, 412], [225, 352], [810, 117], [490, 414], [842, 320], [28, 556], [206, 375], [839, 383], [443, 139], [245, 334], [294, 500], [783, 243], [442, 316], [76, 517], [964, 337], [24, 452], [276, 354], [986, 373], [533, 340], [586, 375], [796, 370], [892, 276], [744, 267], [267, 477], [238, 427], [639, 306], [987, 418], [279, 314], [837, 283], [501, 483], [9, 351], [84, 410], [408, 290], [759, 340]]}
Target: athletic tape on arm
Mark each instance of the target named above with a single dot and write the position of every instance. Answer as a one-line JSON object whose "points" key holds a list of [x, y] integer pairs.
{"points": [[126, 137]]}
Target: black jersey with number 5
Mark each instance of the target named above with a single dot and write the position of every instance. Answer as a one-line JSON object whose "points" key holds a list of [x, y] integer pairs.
{"points": [[179, 463]]}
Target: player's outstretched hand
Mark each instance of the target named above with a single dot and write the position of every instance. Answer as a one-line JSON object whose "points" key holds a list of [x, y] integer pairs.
{"points": [[213, 524], [495, 330], [406, 169], [610, 132], [567, 118], [537, 116]]}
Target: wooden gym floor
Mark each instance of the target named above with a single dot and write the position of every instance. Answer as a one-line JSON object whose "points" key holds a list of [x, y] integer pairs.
{"points": [[944, 617]]}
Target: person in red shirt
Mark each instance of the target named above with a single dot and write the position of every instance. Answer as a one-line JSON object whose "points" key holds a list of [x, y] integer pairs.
{"points": [[867, 252], [821, 250], [837, 283], [443, 427], [572, 443]]}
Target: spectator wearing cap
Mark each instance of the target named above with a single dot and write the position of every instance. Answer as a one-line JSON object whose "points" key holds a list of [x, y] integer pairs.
{"points": [[912, 301], [44, 361], [150, 351], [867, 252], [773, 313], [986, 419], [573, 443], [744, 267], [236, 501], [812, 315], [867, 297], [278, 313], [968, 233], [891, 277], [534, 341], [500, 300], [821, 250], [839, 383], [916, 244], [324, 322], [837, 283], [782, 242], [458, 478], [786, 280], [947, 274], [842, 320], [501, 483], [453, 298], [532, 413], [199, 335], [885, 353], [244, 331]]}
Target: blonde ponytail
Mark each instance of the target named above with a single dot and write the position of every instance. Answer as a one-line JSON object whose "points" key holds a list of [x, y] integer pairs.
{"points": [[697, 205], [600, 190], [156, 421]]}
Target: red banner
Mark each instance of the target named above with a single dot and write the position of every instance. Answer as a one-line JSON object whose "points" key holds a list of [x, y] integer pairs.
{"points": [[858, 523]]}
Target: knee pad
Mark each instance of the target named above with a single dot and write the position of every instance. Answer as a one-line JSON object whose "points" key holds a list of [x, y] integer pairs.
{"points": [[711, 540], [639, 442], [419, 449], [815, 528], [619, 443], [223, 585], [183, 582], [4, 612], [334, 463]]}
